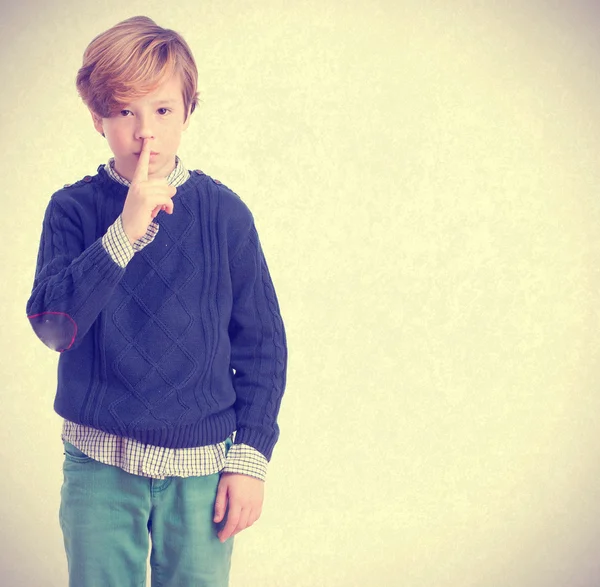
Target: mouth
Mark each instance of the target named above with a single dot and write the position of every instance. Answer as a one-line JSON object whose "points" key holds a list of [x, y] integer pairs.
{"points": [[152, 154]]}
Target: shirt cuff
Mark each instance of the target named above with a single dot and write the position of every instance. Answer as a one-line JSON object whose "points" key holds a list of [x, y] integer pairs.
{"points": [[245, 459], [117, 244], [151, 232]]}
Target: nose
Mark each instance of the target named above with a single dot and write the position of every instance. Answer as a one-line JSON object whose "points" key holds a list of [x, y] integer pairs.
{"points": [[143, 129]]}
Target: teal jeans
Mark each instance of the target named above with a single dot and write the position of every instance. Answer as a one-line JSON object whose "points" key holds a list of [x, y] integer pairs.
{"points": [[109, 518]]}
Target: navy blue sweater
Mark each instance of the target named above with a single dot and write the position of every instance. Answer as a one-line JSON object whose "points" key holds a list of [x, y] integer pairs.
{"points": [[184, 345]]}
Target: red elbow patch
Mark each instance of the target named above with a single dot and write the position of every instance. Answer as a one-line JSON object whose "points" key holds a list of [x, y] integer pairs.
{"points": [[56, 330]]}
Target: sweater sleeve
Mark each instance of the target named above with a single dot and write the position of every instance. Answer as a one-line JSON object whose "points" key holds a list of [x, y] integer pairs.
{"points": [[258, 348], [72, 284]]}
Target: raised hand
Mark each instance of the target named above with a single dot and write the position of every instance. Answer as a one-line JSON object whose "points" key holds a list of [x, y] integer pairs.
{"points": [[145, 198]]}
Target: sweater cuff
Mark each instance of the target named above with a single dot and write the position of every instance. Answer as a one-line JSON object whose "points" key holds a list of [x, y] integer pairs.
{"points": [[246, 460]]}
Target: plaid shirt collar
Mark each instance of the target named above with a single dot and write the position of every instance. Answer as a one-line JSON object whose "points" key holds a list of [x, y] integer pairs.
{"points": [[177, 177]]}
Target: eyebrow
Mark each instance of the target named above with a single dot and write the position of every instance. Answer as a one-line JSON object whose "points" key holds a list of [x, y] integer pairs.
{"points": [[169, 101]]}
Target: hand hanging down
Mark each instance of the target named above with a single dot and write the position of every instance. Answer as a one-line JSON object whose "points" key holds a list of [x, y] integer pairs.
{"points": [[242, 497]]}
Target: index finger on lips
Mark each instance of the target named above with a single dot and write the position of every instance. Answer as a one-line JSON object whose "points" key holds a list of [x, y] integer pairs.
{"points": [[141, 170]]}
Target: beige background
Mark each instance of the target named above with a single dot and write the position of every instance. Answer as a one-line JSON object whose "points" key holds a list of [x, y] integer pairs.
{"points": [[424, 176]]}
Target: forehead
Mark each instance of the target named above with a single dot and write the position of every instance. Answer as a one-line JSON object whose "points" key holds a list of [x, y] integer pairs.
{"points": [[170, 90]]}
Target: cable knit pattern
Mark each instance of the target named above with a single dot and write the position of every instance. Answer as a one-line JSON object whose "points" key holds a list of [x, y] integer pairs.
{"points": [[184, 345], [252, 282]]}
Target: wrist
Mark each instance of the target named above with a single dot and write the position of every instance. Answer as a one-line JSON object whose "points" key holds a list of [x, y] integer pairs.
{"points": [[127, 232], [117, 244]]}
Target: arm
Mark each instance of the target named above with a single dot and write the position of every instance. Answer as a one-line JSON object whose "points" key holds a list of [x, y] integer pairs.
{"points": [[258, 348], [71, 284], [259, 358]]}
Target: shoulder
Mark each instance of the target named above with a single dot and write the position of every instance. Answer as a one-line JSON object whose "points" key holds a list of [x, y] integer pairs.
{"points": [[231, 206], [88, 195], [83, 182], [234, 216], [77, 192]]}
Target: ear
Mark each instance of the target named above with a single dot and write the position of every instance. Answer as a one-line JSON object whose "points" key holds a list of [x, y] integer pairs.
{"points": [[97, 122]]}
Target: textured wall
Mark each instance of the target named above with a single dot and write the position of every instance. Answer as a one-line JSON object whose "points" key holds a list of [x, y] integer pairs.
{"points": [[424, 176]]}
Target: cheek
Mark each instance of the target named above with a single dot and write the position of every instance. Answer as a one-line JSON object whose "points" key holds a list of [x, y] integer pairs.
{"points": [[117, 139], [174, 135]]}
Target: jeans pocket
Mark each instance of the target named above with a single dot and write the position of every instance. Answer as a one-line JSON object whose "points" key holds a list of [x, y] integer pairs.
{"points": [[72, 453]]}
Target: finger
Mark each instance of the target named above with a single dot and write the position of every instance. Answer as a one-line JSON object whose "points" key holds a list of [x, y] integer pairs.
{"points": [[167, 207], [141, 169], [220, 502], [233, 517], [243, 522], [254, 516], [165, 204], [158, 189]]}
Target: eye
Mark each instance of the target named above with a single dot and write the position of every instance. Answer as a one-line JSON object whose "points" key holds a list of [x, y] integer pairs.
{"points": [[163, 111], [125, 112]]}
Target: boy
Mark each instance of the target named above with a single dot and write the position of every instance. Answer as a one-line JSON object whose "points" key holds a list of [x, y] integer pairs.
{"points": [[151, 283]]}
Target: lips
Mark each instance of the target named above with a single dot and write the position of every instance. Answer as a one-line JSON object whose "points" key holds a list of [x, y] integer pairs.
{"points": [[151, 153]]}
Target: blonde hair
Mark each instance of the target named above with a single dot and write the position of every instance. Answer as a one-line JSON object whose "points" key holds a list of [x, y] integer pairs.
{"points": [[132, 59]]}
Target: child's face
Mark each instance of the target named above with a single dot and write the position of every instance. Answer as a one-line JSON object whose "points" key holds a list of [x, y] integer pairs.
{"points": [[160, 116]]}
